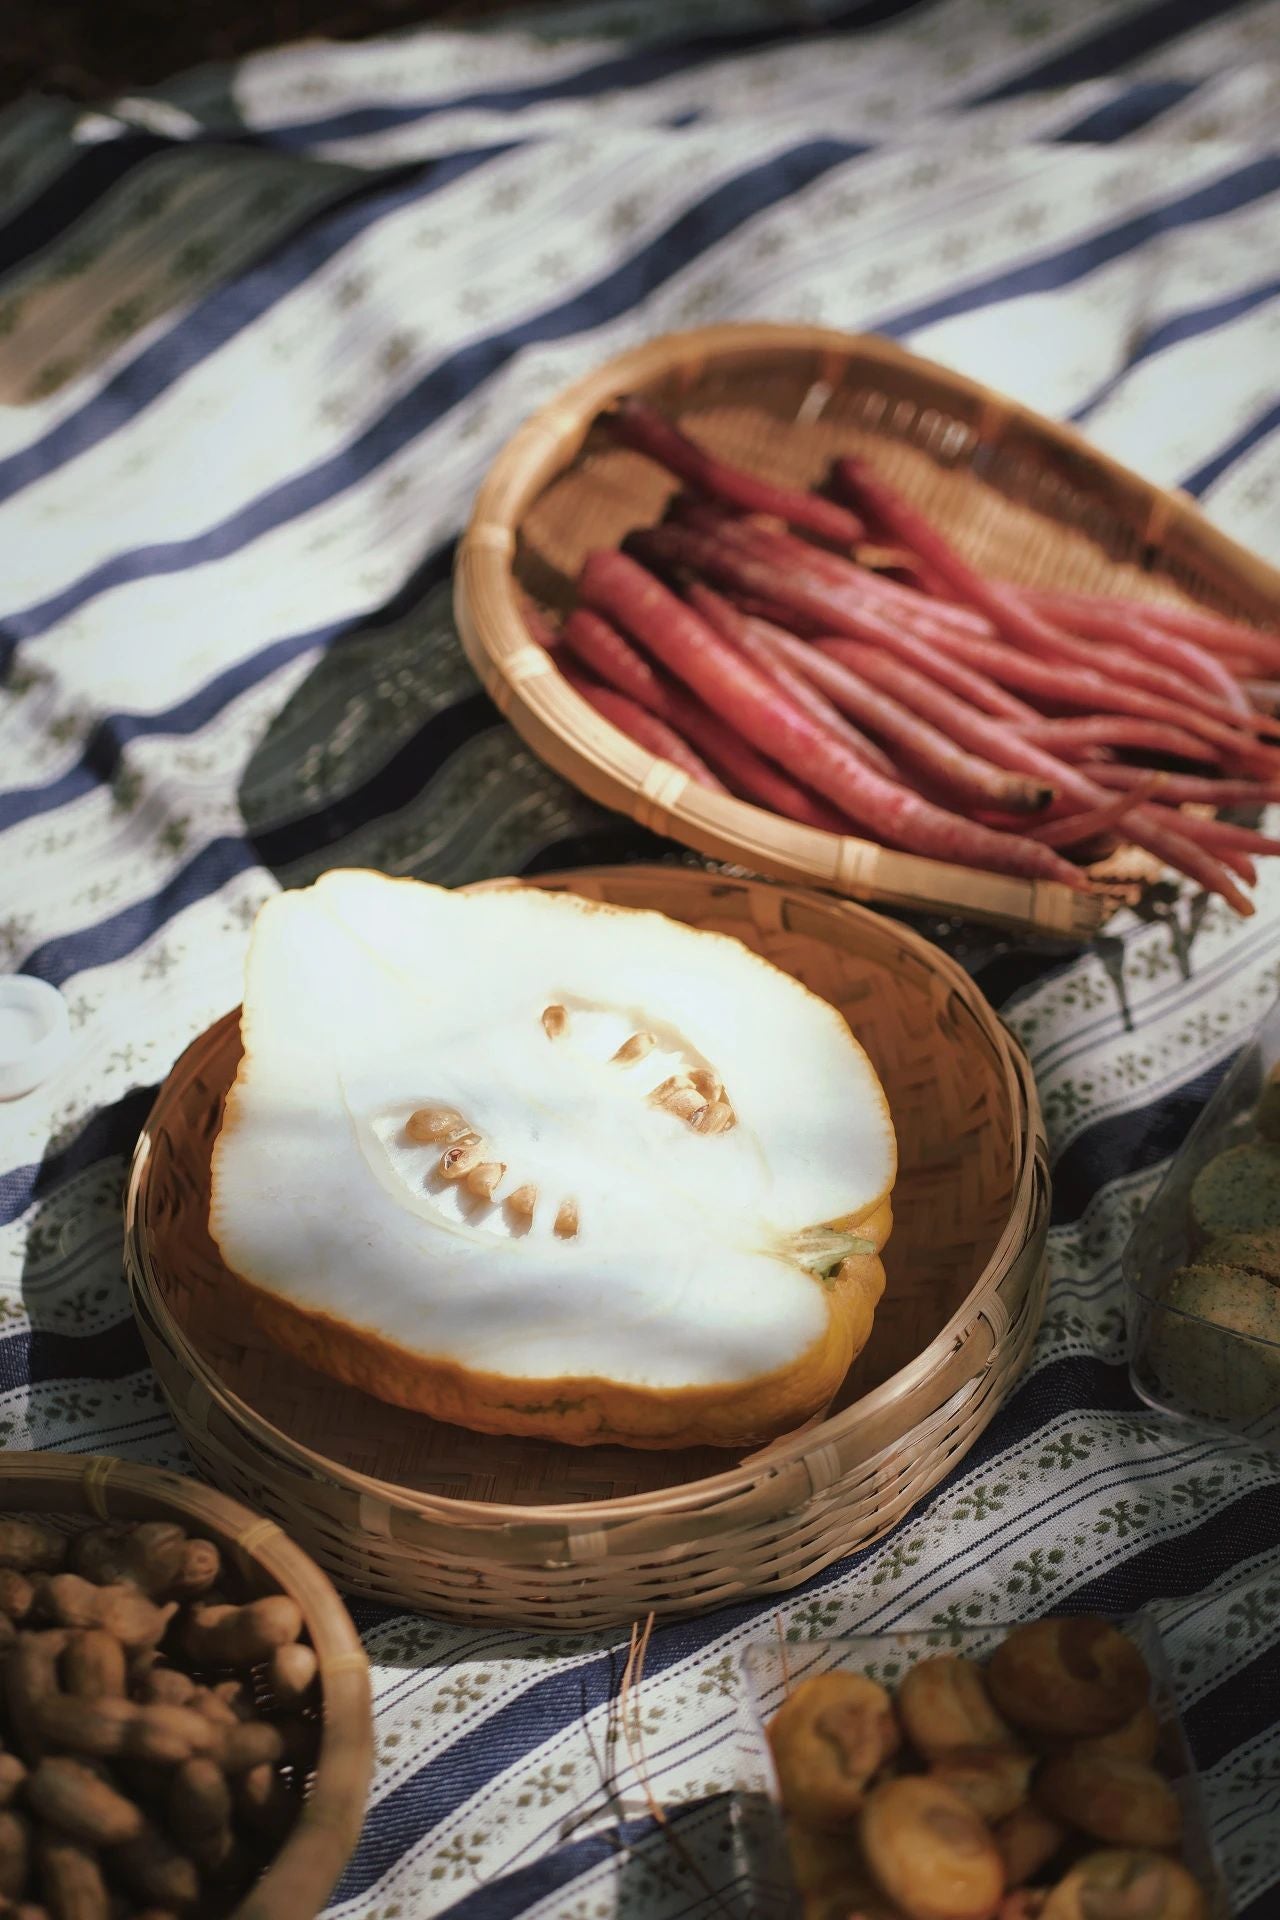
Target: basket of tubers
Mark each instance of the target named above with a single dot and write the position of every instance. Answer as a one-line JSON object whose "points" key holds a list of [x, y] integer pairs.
{"points": [[185, 1716]]}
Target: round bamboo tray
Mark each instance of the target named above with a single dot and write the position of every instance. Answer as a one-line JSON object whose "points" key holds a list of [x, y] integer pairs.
{"points": [[402, 1508], [1020, 496], [97, 1488]]}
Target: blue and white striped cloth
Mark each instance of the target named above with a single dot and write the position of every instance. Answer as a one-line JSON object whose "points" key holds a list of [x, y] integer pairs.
{"points": [[261, 332]]}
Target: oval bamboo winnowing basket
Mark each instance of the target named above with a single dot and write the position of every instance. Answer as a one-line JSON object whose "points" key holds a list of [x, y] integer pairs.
{"points": [[402, 1508], [98, 1488], [1020, 496]]}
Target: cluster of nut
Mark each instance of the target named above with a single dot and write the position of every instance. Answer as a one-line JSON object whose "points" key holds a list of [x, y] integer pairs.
{"points": [[154, 1737], [986, 1793]]}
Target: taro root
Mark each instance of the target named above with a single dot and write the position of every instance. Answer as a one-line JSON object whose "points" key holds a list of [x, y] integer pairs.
{"points": [[944, 1705], [1126, 1886], [551, 1130], [1075, 1676], [1124, 1802], [829, 1737], [929, 1852]]}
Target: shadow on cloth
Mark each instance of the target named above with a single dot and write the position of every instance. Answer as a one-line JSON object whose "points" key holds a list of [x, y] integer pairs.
{"points": [[389, 755]]}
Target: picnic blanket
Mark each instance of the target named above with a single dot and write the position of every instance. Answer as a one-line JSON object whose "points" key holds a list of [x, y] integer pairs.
{"points": [[261, 332]]}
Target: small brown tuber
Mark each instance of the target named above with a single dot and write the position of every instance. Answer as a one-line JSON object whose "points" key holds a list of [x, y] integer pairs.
{"points": [[198, 1812], [239, 1749], [16, 1593], [230, 1636], [82, 1803], [148, 1556], [93, 1666], [71, 1879], [104, 1729], [264, 1803], [30, 1680], [154, 1868], [291, 1675], [15, 1853], [31, 1547], [200, 1569], [165, 1686], [12, 1775], [70, 1601]]}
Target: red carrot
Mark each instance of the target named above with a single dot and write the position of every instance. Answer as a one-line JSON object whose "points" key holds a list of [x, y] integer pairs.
{"points": [[786, 550], [752, 777], [1009, 748], [752, 638], [817, 607], [1129, 627], [728, 563], [1212, 631], [642, 427], [1058, 684], [642, 727], [614, 660], [742, 770], [1203, 833], [616, 586], [1179, 787], [1221, 636], [1115, 730], [960, 774], [1016, 619], [1220, 834], [1076, 829]]}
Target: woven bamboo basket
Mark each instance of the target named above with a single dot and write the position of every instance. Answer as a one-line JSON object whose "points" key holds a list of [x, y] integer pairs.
{"points": [[1019, 495], [402, 1508], [83, 1488]]}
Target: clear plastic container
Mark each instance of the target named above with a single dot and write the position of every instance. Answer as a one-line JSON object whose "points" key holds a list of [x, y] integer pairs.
{"points": [[770, 1668], [1185, 1361]]}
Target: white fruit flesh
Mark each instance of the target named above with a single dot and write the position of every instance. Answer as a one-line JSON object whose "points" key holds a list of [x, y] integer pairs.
{"points": [[369, 1000]]}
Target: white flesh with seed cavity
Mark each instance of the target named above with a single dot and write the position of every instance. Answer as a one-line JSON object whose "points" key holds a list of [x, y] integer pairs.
{"points": [[367, 999]]}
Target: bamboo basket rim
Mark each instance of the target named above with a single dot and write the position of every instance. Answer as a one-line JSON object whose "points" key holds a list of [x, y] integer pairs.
{"points": [[105, 1487], [531, 693], [947, 1348]]}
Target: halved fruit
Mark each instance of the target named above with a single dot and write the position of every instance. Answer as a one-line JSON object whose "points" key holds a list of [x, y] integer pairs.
{"points": [[541, 1166]]}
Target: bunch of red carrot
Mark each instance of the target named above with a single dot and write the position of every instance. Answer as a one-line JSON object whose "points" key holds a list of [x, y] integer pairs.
{"points": [[927, 707]]}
